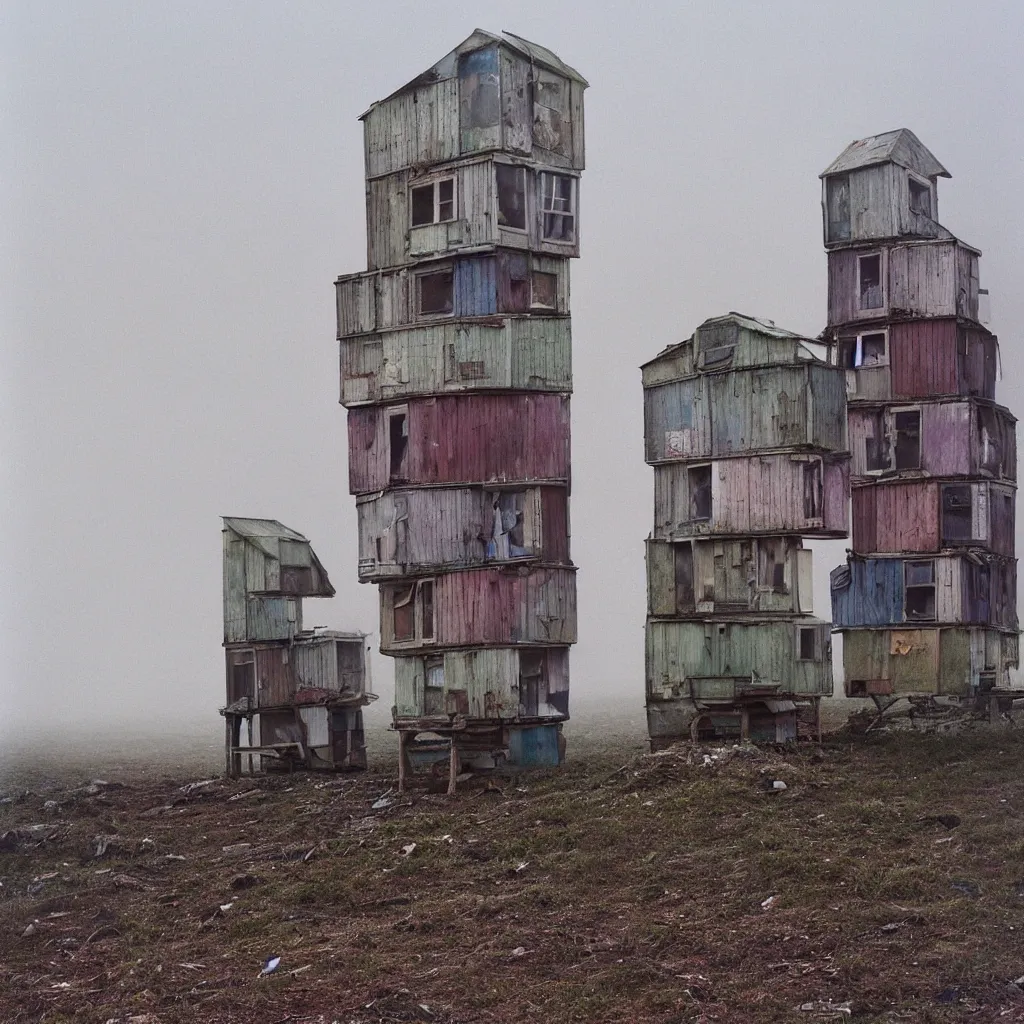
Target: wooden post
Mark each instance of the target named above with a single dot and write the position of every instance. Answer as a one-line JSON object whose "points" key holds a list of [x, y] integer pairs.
{"points": [[227, 745], [817, 718], [993, 709], [453, 767], [232, 734], [401, 761], [744, 724]]}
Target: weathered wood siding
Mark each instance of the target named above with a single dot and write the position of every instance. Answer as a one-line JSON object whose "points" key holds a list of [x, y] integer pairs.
{"points": [[956, 439], [761, 495], [465, 439], [906, 516], [727, 576], [927, 661], [514, 353], [719, 660], [383, 300], [421, 530], [498, 607], [720, 414], [871, 592], [929, 279]]}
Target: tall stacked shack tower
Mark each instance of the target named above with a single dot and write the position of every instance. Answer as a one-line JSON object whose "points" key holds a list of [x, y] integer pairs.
{"points": [[926, 603], [456, 373], [745, 427]]}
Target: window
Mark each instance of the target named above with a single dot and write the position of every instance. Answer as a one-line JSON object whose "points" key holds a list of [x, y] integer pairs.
{"points": [[242, 682], [543, 290], [412, 612], [515, 295], [956, 514], [808, 643], [433, 686], [866, 350], [919, 589], [398, 443], [812, 489], [876, 444], [920, 197], [433, 203], [908, 439], [436, 292], [699, 479], [837, 190], [557, 205], [869, 281], [532, 681], [771, 565], [684, 578], [505, 534], [989, 449], [511, 183]]}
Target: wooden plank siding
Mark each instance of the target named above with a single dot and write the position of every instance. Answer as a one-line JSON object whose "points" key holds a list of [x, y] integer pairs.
{"points": [[759, 495], [721, 660], [425, 530], [491, 607], [462, 439]]}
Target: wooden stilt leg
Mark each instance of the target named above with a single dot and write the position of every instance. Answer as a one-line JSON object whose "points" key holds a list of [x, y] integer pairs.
{"points": [[744, 724], [817, 718], [453, 768], [227, 745], [402, 763]]}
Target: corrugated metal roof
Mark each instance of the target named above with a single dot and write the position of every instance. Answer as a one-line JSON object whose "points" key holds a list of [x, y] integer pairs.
{"points": [[254, 529], [447, 66], [901, 147]]}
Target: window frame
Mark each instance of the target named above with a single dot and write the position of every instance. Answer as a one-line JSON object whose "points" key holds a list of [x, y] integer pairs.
{"points": [[908, 587], [692, 515], [880, 254], [415, 590], [521, 174], [421, 314], [544, 212], [816, 466], [926, 185], [819, 653], [895, 435], [534, 304], [435, 185], [392, 412]]}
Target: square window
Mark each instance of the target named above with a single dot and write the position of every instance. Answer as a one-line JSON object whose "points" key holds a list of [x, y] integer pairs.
{"points": [[873, 349], [544, 290], [869, 281], [908, 440], [919, 582], [436, 292], [511, 182], [558, 207], [920, 197], [433, 203]]}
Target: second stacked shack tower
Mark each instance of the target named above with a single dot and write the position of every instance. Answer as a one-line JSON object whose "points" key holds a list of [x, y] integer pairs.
{"points": [[456, 371], [927, 602]]}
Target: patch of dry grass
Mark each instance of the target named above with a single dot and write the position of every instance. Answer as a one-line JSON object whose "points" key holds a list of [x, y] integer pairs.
{"points": [[621, 888]]}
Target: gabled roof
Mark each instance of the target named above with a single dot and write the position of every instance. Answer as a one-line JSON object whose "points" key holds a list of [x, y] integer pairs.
{"points": [[258, 529], [900, 147], [448, 65]]}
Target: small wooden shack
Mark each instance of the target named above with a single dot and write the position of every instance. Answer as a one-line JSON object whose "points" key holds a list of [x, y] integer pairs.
{"points": [[298, 692]]}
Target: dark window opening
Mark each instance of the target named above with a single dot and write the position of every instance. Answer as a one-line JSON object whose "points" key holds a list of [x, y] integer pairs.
{"points": [[870, 281], [505, 533], [532, 681], [518, 287], [771, 569], [398, 444], [872, 350], [437, 292], [422, 205], [920, 198], [558, 207], [908, 440], [433, 686], [919, 580], [989, 448], [808, 643], [956, 514], [296, 579], [838, 203], [684, 578], [404, 614], [511, 196], [812, 490], [876, 445], [699, 479], [433, 203], [426, 600], [544, 290], [479, 90], [243, 680]]}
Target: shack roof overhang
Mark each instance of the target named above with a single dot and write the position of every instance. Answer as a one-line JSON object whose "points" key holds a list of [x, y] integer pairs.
{"points": [[446, 67], [900, 147], [751, 323], [259, 532]]}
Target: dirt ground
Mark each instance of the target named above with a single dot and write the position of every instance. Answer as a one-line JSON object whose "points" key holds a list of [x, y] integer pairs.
{"points": [[885, 882]]}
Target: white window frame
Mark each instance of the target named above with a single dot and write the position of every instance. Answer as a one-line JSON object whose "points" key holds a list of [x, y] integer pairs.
{"points": [[540, 305], [882, 275], [571, 213], [521, 172], [907, 586], [859, 350], [435, 184]]}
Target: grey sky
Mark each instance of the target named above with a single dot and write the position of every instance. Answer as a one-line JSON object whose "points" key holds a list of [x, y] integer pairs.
{"points": [[182, 183]]}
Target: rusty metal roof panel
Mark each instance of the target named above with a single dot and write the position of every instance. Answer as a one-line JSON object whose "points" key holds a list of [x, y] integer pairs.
{"points": [[901, 147]]}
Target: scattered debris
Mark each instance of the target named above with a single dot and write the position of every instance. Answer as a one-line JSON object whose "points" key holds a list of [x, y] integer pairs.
{"points": [[409, 849], [243, 881], [967, 887], [950, 821], [383, 802], [270, 966], [769, 903], [519, 951]]}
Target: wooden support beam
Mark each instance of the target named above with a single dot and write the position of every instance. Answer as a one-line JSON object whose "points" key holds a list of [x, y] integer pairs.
{"points": [[453, 767], [744, 724], [402, 761], [817, 718]]}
